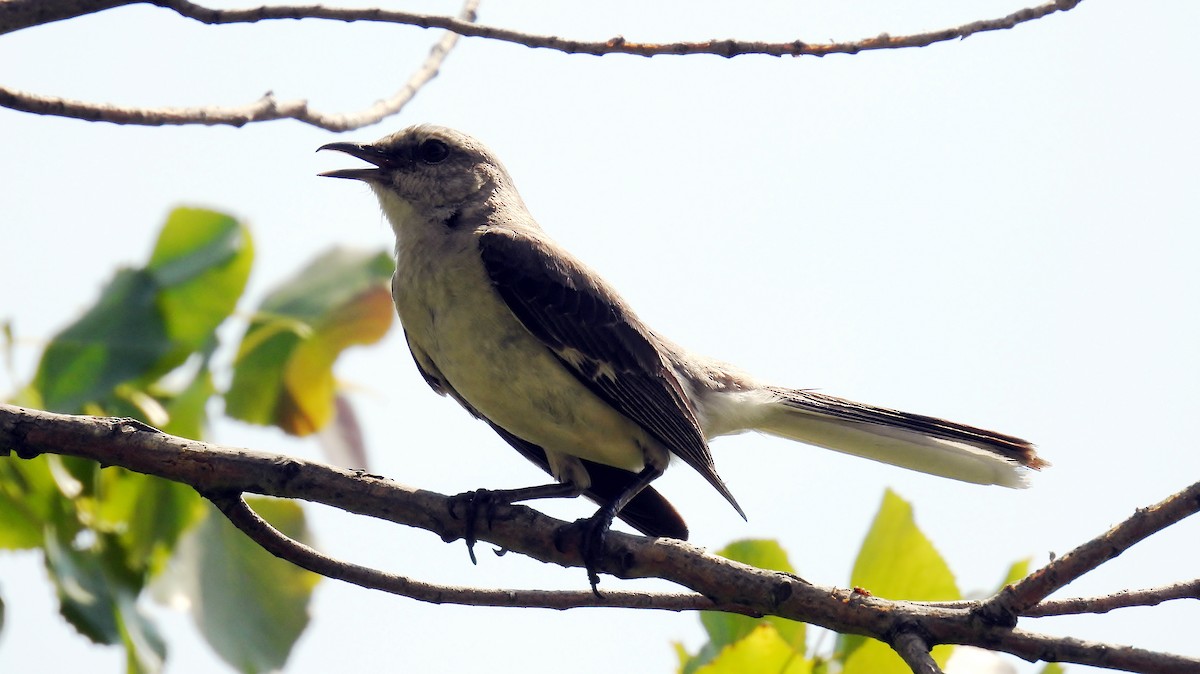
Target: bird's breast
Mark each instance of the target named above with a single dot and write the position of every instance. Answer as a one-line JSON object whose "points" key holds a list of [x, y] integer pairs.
{"points": [[451, 312]]}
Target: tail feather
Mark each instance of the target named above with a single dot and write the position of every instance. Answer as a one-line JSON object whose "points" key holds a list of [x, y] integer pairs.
{"points": [[914, 441]]}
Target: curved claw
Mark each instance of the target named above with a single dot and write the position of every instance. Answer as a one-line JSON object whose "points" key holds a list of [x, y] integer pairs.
{"points": [[473, 501], [593, 537]]}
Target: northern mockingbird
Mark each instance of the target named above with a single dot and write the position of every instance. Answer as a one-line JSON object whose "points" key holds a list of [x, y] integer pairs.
{"points": [[532, 341]]}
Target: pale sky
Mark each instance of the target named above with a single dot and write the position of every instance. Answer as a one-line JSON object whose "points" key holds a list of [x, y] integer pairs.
{"points": [[1000, 231]]}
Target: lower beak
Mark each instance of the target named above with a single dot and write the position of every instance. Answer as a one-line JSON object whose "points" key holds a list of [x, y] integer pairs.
{"points": [[363, 151]]}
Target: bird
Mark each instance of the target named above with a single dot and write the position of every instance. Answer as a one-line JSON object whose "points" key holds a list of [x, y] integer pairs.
{"points": [[529, 339]]}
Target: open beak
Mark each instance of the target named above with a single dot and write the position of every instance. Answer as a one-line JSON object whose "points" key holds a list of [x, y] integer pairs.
{"points": [[365, 152]]}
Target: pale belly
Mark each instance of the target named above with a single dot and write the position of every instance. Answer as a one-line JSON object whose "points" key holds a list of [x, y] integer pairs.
{"points": [[504, 372]]}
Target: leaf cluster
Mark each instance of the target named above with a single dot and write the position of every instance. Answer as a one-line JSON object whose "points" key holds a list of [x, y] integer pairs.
{"points": [[896, 561], [146, 350]]}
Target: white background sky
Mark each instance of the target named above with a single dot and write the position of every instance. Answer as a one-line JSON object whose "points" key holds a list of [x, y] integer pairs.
{"points": [[1000, 231]]}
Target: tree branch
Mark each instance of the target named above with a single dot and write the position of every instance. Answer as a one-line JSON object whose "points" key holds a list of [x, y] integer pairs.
{"points": [[264, 109], [616, 45], [234, 507], [720, 584], [1123, 599], [18, 14], [915, 652], [1020, 597]]}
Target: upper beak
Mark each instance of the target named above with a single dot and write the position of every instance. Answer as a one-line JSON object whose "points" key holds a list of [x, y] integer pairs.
{"points": [[364, 151]]}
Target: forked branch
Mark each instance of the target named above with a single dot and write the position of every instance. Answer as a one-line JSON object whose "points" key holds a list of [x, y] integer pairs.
{"points": [[224, 474]]}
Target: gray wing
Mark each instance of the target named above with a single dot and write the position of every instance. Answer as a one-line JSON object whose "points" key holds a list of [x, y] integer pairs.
{"points": [[598, 340]]}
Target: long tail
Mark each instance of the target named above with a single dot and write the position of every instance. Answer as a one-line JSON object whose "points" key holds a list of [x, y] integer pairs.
{"points": [[913, 441]]}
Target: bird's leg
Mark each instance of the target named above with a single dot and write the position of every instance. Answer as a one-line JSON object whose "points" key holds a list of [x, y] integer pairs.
{"points": [[595, 528], [487, 500]]}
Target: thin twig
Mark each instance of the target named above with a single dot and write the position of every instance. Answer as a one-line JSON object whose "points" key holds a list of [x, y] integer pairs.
{"points": [[265, 109], [1020, 597], [393, 104], [1123, 599], [616, 45], [19, 14], [1103, 604]]}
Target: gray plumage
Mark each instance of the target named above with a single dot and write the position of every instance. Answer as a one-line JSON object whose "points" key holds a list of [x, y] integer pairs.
{"points": [[528, 338]]}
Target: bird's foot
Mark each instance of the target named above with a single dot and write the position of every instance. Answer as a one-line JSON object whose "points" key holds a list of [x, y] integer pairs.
{"points": [[470, 504], [593, 536]]}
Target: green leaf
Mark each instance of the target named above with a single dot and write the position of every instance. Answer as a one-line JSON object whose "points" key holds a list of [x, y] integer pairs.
{"points": [[896, 562], [284, 371], [763, 553], [98, 595], [187, 410], [147, 514], [18, 529], [7, 344], [1053, 668], [147, 321], [876, 657], [201, 263], [725, 629], [29, 501], [762, 650], [163, 511], [250, 606], [117, 340], [145, 650], [37, 494], [681, 655], [1017, 571], [85, 596]]}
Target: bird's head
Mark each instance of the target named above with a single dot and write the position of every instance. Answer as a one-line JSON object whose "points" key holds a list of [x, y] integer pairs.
{"points": [[430, 171]]}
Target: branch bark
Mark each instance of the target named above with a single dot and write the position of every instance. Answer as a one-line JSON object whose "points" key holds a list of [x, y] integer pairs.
{"points": [[234, 507], [1123, 599], [616, 45], [1020, 597], [223, 474], [19, 14], [264, 109], [915, 653]]}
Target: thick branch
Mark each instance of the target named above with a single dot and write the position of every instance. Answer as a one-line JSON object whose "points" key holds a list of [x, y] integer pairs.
{"points": [[18, 14], [275, 542], [727, 585]]}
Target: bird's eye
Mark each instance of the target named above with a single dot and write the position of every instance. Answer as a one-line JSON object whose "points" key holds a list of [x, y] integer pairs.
{"points": [[432, 151]]}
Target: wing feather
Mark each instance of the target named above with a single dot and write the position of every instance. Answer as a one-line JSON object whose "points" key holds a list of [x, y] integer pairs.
{"points": [[598, 339]]}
